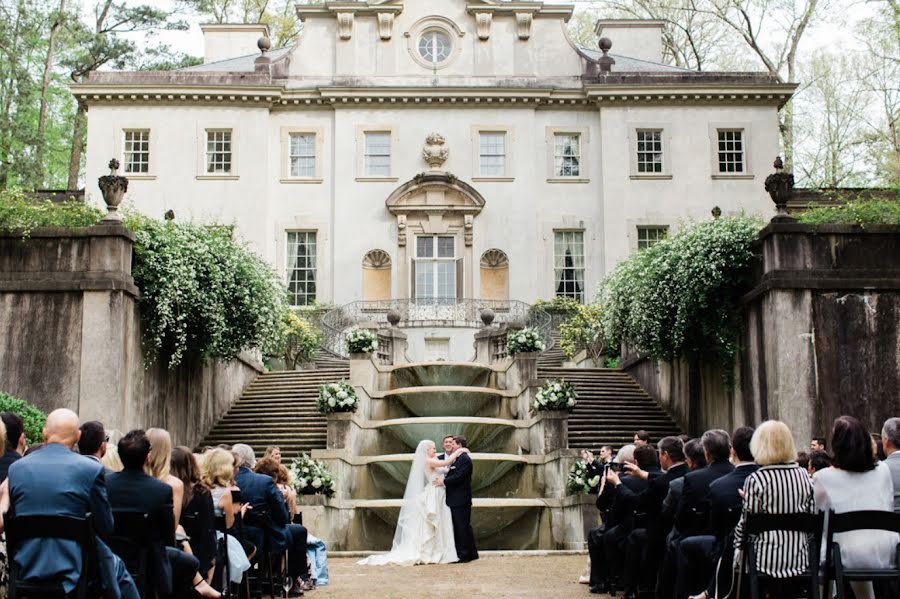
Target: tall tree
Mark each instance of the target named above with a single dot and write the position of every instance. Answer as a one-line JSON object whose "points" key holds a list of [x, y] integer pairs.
{"points": [[58, 17]]}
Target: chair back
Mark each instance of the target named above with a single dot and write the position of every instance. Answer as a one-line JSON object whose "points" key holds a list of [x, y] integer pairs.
{"points": [[136, 535], [22, 528], [803, 522], [851, 521], [863, 520]]}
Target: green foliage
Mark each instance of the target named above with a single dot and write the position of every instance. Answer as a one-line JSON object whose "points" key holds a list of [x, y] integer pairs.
{"points": [[580, 480], [558, 305], [528, 339], [299, 340], [361, 341], [612, 362], [584, 329], [203, 292], [680, 296], [555, 394], [337, 397], [862, 213], [19, 212], [33, 417]]}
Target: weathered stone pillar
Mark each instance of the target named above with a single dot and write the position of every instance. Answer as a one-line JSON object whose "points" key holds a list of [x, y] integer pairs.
{"points": [[339, 434], [552, 431]]}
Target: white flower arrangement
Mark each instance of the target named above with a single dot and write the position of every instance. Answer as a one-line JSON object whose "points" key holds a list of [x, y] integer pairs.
{"points": [[580, 479], [311, 477], [337, 397], [361, 341], [526, 340], [555, 394]]}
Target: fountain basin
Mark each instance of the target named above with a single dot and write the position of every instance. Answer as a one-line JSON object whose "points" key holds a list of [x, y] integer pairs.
{"points": [[489, 435], [426, 374], [446, 400], [493, 474]]}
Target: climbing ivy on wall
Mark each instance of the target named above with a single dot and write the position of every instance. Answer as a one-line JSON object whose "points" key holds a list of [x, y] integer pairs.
{"points": [[680, 296]]}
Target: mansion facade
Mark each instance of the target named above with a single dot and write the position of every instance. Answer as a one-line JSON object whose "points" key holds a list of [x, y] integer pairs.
{"points": [[435, 150]]}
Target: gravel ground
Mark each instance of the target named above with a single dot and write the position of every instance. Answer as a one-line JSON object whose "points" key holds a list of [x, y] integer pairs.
{"points": [[494, 577]]}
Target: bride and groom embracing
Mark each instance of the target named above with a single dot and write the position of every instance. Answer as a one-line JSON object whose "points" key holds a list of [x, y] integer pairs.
{"points": [[434, 526]]}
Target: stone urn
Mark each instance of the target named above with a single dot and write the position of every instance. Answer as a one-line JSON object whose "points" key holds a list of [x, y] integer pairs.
{"points": [[113, 188], [434, 152]]}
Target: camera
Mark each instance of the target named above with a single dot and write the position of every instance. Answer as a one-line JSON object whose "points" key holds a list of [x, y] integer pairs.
{"points": [[615, 466]]}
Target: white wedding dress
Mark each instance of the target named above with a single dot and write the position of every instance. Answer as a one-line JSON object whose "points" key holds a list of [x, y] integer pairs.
{"points": [[424, 529]]}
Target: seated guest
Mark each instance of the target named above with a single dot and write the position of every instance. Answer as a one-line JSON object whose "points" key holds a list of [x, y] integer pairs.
{"points": [[92, 442], [818, 444], [853, 483], [58, 482], [15, 441], [890, 437], [198, 503], [803, 460], [219, 469], [779, 486], [133, 489], [877, 448], [159, 467], [818, 460], [279, 474], [273, 452], [641, 438], [693, 507], [260, 491], [111, 459], [701, 553]]}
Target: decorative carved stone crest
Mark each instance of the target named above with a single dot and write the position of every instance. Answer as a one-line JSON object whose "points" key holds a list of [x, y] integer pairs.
{"points": [[434, 152], [780, 186], [385, 25], [345, 25], [113, 186], [523, 25], [483, 24]]}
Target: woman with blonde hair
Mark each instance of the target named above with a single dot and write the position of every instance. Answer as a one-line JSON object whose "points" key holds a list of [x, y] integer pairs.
{"points": [[780, 486], [273, 452], [160, 467], [219, 467]]}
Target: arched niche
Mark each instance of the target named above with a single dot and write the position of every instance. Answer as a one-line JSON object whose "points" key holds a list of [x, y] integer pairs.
{"points": [[495, 275], [376, 267]]}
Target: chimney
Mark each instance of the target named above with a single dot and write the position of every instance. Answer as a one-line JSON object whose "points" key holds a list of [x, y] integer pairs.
{"points": [[229, 40], [634, 38]]}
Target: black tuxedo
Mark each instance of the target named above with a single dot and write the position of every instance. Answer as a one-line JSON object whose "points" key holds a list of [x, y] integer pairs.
{"points": [[694, 497], [6, 460], [134, 490], [458, 484]]}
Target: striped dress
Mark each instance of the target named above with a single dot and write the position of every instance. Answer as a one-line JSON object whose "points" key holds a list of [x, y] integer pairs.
{"points": [[778, 489]]}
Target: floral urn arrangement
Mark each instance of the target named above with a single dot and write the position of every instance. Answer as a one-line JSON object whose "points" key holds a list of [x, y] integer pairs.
{"points": [[555, 395], [361, 341], [311, 477], [525, 340], [337, 397]]}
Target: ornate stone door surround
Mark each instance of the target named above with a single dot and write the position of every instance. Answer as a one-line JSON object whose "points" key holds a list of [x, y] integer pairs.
{"points": [[434, 203]]}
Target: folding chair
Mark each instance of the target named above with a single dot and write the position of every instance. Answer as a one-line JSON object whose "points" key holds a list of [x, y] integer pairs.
{"points": [[862, 520], [757, 524]]}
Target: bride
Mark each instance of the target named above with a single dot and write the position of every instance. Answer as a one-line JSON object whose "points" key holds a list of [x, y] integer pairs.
{"points": [[424, 529]]}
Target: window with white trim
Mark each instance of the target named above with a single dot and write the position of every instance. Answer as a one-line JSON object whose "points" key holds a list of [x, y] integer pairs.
{"points": [[730, 150], [435, 46], [649, 151], [650, 236], [136, 150], [377, 159], [302, 154], [218, 151], [567, 155], [436, 268], [301, 267], [492, 154], [568, 264]]}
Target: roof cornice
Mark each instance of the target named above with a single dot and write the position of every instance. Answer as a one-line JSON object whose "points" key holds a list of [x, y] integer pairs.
{"points": [[331, 9], [537, 9]]}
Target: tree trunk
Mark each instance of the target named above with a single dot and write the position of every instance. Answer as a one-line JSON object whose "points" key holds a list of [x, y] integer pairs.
{"points": [[45, 88], [78, 131]]}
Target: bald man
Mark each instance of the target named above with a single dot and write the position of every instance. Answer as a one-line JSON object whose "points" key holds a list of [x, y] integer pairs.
{"points": [[56, 481]]}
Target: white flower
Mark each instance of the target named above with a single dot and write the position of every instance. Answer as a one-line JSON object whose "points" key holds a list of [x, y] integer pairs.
{"points": [[594, 481], [342, 395], [331, 402], [316, 482], [301, 482], [579, 480], [305, 470], [570, 403]]}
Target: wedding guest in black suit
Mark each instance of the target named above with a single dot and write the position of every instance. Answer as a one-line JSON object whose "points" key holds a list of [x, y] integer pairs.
{"points": [[15, 441], [693, 507], [458, 483]]}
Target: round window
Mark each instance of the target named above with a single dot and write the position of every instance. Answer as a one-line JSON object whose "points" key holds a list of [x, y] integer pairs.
{"points": [[434, 47]]}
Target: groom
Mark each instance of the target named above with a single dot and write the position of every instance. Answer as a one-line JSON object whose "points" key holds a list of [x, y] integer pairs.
{"points": [[458, 482]]}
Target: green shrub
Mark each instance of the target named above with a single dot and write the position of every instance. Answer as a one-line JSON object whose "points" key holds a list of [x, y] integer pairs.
{"points": [[203, 292], [862, 213], [558, 305], [19, 212], [33, 417], [680, 296], [584, 329], [299, 340]]}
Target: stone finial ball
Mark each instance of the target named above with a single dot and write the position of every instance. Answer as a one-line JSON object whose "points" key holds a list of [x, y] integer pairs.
{"points": [[393, 316], [487, 316], [264, 44], [605, 44]]}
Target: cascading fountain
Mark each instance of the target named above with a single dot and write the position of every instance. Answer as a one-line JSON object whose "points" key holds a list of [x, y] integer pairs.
{"points": [[520, 460]]}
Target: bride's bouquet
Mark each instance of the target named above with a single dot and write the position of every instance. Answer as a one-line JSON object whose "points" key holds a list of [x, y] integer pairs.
{"points": [[361, 341], [527, 340], [580, 480], [311, 477], [555, 395], [337, 397]]}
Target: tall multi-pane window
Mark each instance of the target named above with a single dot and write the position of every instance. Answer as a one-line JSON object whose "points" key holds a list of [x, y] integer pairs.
{"points": [[218, 151], [731, 150], [378, 154], [648, 236], [567, 155], [136, 151], [649, 151], [301, 267], [568, 264], [435, 268], [492, 154], [302, 154]]}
